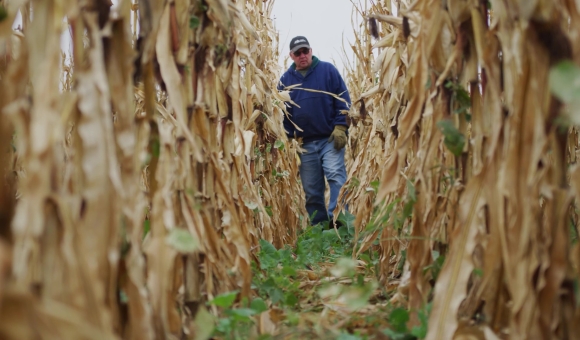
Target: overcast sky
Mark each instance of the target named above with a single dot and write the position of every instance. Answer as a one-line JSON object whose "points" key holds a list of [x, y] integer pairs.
{"points": [[325, 23]]}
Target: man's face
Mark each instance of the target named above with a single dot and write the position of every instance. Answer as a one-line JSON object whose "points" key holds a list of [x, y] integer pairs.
{"points": [[302, 58]]}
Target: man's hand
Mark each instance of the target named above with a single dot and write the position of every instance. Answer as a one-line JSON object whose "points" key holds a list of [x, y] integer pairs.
{"points": [[338, 136]]}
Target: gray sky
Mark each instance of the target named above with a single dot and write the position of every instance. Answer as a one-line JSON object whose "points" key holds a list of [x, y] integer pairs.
{"points": [[325, 23]]}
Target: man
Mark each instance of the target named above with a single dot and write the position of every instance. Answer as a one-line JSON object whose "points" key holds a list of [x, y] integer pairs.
{"points": [[322, 119]]}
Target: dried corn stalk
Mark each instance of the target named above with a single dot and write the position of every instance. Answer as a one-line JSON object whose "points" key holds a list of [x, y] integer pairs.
{"points": [[144, 162], [454, 101]]}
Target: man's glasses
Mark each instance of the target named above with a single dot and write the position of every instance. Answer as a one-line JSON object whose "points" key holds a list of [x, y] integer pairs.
{"points": [[301, 52]]}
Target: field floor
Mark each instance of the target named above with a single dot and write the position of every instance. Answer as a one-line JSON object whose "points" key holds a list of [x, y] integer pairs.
{"points": [[315, 290]]}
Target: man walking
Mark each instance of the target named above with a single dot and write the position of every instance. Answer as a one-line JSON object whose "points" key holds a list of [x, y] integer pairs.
{"points": [[322, 119]]}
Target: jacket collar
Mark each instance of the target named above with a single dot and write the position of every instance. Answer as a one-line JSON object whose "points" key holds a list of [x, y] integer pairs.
{"points": [[315, 62]]}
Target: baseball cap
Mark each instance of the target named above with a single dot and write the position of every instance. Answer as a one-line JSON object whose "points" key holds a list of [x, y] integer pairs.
{"points": [[298, 42]]}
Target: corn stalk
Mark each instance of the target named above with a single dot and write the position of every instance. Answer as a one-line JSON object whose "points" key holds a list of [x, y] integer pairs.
{"points": [[144, 164], [456, 122]]}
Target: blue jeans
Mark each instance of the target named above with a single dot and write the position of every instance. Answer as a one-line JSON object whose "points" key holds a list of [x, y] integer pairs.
{"points": [[319, 160]]}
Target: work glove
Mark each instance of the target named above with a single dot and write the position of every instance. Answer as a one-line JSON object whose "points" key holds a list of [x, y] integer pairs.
{"points": [[338, 136]]}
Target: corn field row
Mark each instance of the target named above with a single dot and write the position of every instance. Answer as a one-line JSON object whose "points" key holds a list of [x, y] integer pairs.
{"points": [[143, 175], [142, 169], [456, 128]]}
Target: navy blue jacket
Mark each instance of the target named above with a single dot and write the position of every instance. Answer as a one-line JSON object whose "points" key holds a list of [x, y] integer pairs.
{"points": [[318, 112]]}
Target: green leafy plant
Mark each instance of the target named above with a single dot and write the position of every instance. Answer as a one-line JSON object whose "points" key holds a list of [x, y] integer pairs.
{"points": [[275, 275], [399, 330], [277, 282], [182, 240], [454, 139], [320, 244], [460, 100], [347, 336], [284, 173], [564, 82], [279, 145], [357, 294], [354, 183], [435, 267], [274, 279], [236, 323], [194, 22]]}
